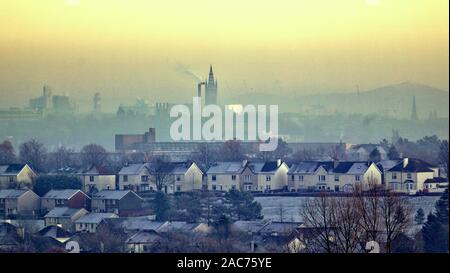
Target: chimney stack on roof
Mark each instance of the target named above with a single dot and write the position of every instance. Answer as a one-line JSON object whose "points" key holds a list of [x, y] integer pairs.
{"points": [[405, 162]]}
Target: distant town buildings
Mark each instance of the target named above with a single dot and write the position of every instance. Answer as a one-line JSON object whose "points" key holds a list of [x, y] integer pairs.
{"points": [[49, 103]]}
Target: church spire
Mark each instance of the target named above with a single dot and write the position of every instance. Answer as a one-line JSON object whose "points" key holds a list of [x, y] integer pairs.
{"points": [[211, 75]]}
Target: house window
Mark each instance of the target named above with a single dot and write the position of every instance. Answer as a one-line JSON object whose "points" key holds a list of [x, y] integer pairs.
{"points": [[125, 178], [233, 177], [11, 179], [144, 178], [233, 187], [214, 187], [178, 188], [336, 178], [247, 178], [268, 187], [409, 175], [394, 176], [336, 188], [300, 177], [321, 177], [268, 178], [213, 178], [178, 178], [357, 178], [248, 187], [293, 177], [91, 178]]}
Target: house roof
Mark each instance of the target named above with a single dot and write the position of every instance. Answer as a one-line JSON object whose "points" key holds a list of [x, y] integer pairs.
{"points": [[308, 167], [352, 167], [11, 193], [250, 226], [133, 223], [54, 232], [133, 169], [280, 228], [179, 226], [95, 218], [169, 167], [436, 180], [61, 194], [413, 165], [112, 194], [62, 212], [264, 167], [65, 170], [99, 170], [144, 237], [387, 164], [11, 169], [342, 167], [269, 166], [369, 147], [226, 168]]}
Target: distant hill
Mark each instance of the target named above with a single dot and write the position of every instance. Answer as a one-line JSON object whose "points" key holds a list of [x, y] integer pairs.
{"points": [[392, 100]]}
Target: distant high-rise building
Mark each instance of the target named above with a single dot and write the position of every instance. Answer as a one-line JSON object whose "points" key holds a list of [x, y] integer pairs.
{"points": [[211, 88], [97, 103], [43, 102], [414, 115]]}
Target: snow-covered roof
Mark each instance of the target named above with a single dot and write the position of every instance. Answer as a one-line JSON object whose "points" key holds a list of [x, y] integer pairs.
{"points": [[226, 168], [95, 218]]}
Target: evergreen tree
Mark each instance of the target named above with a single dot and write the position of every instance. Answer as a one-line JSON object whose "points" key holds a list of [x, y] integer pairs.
{"points": [[161, 206], [393, 153], [45, 183], [223, 226], [420, 217], [435, 230], [242, 205], [375, 155]]}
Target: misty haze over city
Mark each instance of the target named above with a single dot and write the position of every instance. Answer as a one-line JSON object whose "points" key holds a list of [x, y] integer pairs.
{"points": [[224, 126]]}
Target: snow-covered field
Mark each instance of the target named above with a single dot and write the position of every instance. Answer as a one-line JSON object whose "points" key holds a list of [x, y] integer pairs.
{"points": [[291, 205]]}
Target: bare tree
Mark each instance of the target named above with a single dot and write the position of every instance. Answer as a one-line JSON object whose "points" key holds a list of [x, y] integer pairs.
{"points": [[160, 171], [337, 152], [34, 154], [317, 214], [93, 154], [396, 214], [205, 156], [62, 157], [232, 151], [303, 155], [281, 212], [368, 206], [347, 229]]}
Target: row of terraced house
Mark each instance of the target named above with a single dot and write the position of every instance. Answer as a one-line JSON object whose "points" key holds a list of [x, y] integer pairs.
{"points": [[404, 175]]}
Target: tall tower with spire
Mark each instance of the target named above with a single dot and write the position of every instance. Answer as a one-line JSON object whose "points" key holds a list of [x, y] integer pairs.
{"points": [[211, 88], [414, 115]]}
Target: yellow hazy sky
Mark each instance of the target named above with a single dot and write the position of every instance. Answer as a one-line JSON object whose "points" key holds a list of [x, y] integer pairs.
{"points": [[130, 48]]}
